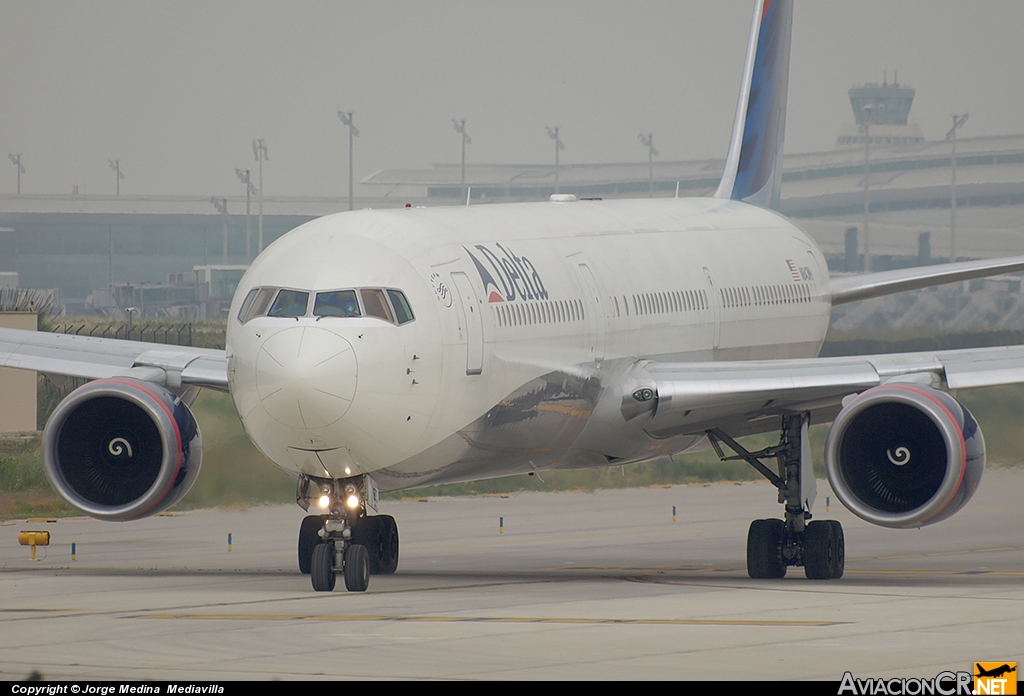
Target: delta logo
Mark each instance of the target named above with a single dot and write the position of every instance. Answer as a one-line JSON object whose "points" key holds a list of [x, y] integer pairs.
{"points": [[995, 678], [506, 276]]}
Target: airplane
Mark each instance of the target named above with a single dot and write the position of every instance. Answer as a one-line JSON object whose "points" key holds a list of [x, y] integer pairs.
{"points": [[378, 350], [994, 672]]}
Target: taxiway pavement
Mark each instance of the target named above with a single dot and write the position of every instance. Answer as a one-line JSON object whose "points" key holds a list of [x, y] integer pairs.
{"points": [[579, 585]]}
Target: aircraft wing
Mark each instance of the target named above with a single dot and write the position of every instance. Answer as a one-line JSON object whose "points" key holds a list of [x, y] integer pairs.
{"points": [[868, 285], [746, 397], [98, 358]]}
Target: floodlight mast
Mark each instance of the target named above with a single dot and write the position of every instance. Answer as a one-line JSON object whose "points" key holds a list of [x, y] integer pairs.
{"points": [[245, 177], [259, 150], [118, 175], [460, 127], [958, 122], [867, 187], [221, 204], [353, 132], [16, 161], [648, 142], [559, 145]]}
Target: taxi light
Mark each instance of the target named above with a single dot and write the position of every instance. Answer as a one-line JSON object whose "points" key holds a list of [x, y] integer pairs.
{"points": [[353, 501], [34, 539], [325, 501]]}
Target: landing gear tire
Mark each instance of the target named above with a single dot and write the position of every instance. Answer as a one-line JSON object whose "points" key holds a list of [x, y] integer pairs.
{"points": [[764, 543], [387, 560], [357, 568], [308, 540], [379, 534], [840, 540], [824, 550], [321, 570]]}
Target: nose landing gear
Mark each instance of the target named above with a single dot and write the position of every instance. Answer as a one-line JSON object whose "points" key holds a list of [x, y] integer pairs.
{"points": [[346, 540]]}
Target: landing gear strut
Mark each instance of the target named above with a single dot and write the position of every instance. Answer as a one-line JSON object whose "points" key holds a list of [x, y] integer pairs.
{"points": [[773, 545], [345, 540]]}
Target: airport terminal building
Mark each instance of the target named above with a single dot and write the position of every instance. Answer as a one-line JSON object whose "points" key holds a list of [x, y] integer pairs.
{"points": [[182, 255]]}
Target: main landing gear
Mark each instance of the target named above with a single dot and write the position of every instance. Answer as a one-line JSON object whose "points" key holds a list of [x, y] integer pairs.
{"points": [[345, 540], [773, 544]]}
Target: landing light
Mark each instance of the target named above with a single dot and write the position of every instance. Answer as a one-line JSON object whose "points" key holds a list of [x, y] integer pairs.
{"points": [[353, 501], [325, 501]]}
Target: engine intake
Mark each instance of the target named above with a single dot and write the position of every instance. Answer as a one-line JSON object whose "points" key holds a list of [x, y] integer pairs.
{"points": [[121, 449], [904, 455]]}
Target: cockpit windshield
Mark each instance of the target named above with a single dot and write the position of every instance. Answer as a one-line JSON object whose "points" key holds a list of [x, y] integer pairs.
{"points": [[289, 303], [338, 303], [388, 304], [256, 303], [376, 305], [401, 305]]}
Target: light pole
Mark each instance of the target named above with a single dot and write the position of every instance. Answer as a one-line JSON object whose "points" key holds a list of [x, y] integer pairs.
{"points": [[245, 177], [958, 122], [259, 150], [648, 142], [559, 145], [221, 204], [867, 188], [116, 166], [353, 132], [460, 127], [16, 161]]}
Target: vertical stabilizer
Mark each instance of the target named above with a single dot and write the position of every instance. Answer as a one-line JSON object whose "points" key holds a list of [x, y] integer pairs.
{"points": [[753, 169]]}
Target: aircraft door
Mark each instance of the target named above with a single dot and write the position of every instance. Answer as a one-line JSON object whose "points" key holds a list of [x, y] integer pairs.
{"points": [[471, 322], [595, 308], [715, 306]]}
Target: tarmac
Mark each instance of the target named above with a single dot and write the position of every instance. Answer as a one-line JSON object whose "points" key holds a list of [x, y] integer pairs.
{"points": [[602, 585]]}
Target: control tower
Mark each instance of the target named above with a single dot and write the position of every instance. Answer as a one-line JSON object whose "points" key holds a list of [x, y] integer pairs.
{"points": [[887, 106]]}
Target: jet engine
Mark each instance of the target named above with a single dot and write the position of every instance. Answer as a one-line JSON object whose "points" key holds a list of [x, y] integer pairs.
{"points": [[904, 455], [121, 449]]}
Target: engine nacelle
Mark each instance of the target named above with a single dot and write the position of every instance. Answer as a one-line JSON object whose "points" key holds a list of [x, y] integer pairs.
{"points": [[903, 455], [121, 449]]}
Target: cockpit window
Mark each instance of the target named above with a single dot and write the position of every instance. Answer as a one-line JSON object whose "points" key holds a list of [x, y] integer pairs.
{"points": [[289, 303], [339, 303], [376, 304], [246, 303], [256, 303], [401, 305], [383, 303]]}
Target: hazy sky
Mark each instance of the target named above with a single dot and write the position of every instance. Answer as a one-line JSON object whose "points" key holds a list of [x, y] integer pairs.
{"points": [[177, 91]]}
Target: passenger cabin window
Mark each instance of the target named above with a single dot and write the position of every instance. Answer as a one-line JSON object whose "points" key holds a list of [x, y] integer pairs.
{"points": [[340, 303], [289, 303]]}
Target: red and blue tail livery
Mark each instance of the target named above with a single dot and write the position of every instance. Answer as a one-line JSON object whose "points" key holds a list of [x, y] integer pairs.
{"points": [[753, 171]]}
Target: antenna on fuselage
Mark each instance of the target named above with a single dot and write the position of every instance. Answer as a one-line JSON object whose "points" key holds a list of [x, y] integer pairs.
{"points": [[469, 194], [677, 189]]}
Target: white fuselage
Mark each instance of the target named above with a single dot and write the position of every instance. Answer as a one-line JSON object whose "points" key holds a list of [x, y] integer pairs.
{"points": [[523, 313]]}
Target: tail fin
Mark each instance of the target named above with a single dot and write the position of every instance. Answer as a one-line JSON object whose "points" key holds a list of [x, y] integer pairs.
{"points": [[753, 169]]}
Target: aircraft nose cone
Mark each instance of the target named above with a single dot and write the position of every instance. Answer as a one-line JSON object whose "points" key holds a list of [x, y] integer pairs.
{"points": [[306, 377]]}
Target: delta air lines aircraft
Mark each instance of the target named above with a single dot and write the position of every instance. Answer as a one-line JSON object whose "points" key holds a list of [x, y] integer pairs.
{"points": [[384, 349]]}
